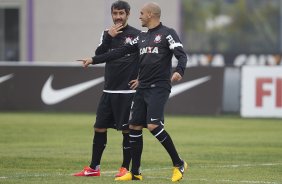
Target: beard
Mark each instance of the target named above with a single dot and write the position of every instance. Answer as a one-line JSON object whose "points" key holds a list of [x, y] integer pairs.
{"points": [[120, 21]]}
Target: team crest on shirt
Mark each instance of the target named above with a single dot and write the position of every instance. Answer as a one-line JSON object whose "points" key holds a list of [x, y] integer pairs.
{"points": [[158, 38], [128, 40]]}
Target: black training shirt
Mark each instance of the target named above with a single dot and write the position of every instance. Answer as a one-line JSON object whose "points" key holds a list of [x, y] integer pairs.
{"points": [[155, 48], [120, 71]]}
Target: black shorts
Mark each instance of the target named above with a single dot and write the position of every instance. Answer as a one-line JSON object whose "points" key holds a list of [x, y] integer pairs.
{"points": [[148, 106], [113, 111]]}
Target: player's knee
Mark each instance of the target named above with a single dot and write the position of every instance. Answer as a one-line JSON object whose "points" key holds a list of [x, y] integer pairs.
{"points": [[152, 127], [100, 129], [135, 127], [125, 131]]}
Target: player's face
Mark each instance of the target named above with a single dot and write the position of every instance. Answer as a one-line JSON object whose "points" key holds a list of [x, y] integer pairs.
{"points": [[144, 17], [119, 16]]}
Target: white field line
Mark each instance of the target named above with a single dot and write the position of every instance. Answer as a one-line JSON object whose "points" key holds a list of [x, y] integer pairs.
{"points": [[239, 165], [245, 181], [150, 177], [219, 181], [109, 174]]}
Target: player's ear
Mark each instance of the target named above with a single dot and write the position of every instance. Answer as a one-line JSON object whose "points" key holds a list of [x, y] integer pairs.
{"points": [[150, 14]]}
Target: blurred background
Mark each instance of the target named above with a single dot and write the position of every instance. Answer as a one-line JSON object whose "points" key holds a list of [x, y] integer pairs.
{"points": [[224, 39]]}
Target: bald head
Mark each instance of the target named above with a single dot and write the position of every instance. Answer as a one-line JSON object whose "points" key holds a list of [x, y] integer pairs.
{"points": [[153, 8], [150, 15]]}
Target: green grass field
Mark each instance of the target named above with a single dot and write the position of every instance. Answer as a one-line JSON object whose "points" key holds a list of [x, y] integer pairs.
{"points": [[49, 147]]}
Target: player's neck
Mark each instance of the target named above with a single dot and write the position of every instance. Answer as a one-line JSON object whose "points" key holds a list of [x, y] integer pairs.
{"points": [[153, 24]]}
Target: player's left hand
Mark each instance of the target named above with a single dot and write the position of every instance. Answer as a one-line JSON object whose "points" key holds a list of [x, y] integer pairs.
{"points": [[133, 84], [176, 77]]}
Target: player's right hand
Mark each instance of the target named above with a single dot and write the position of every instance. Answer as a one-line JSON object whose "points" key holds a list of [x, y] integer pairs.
{"points": [[176, 77], [115, 30], [86, 62]]}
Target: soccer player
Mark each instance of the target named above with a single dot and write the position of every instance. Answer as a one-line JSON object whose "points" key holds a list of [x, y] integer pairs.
{"points": [[114, 106], [156, 48]]}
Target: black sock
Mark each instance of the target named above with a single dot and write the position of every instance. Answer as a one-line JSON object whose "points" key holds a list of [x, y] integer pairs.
{"points": [[99, 144], [136, 144], [126, 151], [167, 143]]}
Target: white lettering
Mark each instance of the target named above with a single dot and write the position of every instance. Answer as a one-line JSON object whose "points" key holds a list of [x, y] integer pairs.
{"points": [[146, 50], [155, 50], [134, 41], [172, 43], [170, 40]]}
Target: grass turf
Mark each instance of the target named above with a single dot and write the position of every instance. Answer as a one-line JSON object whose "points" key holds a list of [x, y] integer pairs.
{"points": [[49, 147]]}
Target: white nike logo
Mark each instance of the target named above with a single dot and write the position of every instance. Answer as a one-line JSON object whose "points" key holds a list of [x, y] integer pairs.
{"points": [[152, 119], [177, 89], [52, 96], [182, 169], [6, 77], [88, 173]]}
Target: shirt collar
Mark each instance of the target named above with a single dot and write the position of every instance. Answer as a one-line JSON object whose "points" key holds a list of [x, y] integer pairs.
{"points": [[155, 28]]}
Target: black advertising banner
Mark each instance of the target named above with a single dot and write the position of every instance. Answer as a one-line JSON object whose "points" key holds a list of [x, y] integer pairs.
{"points": [[75, 89], [199, 92], [50, 88]]}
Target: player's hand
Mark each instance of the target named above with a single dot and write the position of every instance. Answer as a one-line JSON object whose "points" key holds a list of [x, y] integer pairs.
{"points": [[86, 62], [133, 84], [176, 77], [115, 30]]}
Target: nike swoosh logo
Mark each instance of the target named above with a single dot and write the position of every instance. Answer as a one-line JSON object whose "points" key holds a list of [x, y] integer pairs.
{"points": [[88, 173], [152, 119], [177, 89], [52, 96], [6, 77]]}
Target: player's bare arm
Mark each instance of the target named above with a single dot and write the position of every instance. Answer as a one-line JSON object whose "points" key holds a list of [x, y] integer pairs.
{"points": [[176, 77], [115, 29]]}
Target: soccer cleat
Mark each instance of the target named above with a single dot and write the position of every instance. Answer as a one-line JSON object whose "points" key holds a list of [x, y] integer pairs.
{"points": [[87, 171], [122, 171], [178, 172], [129, 176]]}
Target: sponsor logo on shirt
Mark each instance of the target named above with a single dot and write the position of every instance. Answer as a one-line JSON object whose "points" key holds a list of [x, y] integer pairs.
{"points": [[170, 39], [134, 41], [172, 43], [146, 50]]}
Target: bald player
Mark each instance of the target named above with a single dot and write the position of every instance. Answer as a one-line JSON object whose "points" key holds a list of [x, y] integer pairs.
{"points": [[156, 48]]}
